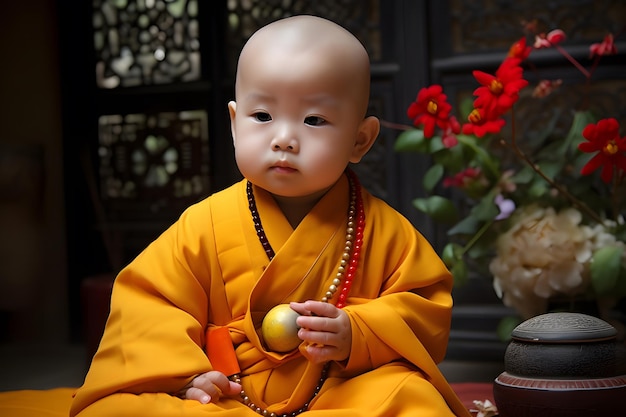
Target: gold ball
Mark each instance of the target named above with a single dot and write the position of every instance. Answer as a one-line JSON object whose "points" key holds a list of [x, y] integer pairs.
{"points": [[280, 330]]}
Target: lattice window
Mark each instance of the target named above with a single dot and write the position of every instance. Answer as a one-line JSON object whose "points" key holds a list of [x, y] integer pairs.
{"points": [[143, 42], [143, 156]]}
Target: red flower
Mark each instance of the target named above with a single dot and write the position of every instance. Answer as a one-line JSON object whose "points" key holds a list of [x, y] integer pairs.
{"points": [[546, 87], [606, 47], [541, 42], [519, 50], [463, 178], [604, 139], [449, 138], [498, 93], [554, 37], [430, 109], [480, 124]]}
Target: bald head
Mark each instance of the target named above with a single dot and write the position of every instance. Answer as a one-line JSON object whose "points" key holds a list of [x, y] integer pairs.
{"points": [[313, 45]]}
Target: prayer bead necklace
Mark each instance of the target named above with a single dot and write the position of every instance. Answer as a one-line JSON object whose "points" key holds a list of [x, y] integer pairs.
{"points": [[344, 277]]}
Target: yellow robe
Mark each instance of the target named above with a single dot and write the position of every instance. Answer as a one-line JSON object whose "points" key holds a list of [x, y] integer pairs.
{"points": [[209, 269]]}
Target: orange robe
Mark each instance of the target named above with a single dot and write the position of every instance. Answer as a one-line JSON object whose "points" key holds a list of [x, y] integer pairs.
{"points": [[209, 269]]}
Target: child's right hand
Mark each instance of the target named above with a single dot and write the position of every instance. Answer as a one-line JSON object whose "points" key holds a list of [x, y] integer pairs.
{"points": [[208, 387]]}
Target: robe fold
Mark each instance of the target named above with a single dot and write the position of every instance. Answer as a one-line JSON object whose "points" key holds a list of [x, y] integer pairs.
{"points": [[210, 270]]}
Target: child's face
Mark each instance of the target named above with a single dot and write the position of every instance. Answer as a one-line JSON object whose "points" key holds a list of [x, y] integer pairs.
{"points": [[296, 122]]}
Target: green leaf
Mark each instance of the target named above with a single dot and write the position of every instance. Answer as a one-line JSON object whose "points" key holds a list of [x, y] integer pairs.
{"points": [[506, 326], [435, 144], [486, 161], [432, 177], [459, 273], [537, 189], [523, 176], [452, 256], [466, 107], [486, 209], [452, 253], [580, 160], [552, 168], [454, 159], [467, 226], [411, 141], [581, 120], [605, 269], [438, 208]]}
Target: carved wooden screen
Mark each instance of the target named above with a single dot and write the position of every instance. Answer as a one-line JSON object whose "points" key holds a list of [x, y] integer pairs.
{"points": [[153, 157], [144, 135], [475, 35]]}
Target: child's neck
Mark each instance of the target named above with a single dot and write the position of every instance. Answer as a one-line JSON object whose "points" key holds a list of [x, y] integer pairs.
{"points": [[296, 208]]}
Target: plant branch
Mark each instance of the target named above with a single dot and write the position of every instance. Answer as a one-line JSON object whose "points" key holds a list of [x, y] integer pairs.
{"points": [[396, 126], [574, 62], [576, 202]]}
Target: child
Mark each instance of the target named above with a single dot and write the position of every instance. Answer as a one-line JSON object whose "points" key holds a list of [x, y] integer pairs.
{"points": [[373, 298]]}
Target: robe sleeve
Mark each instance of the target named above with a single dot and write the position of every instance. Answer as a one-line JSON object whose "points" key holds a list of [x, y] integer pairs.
{"points": [[153, 340], [414, 303]]}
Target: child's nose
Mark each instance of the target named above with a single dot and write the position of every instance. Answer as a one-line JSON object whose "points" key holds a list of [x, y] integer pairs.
{"points": [[285, 140], [283, 147]]}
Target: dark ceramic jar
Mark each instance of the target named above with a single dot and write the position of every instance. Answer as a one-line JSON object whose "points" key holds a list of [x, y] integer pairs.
{"points": [[562, 364]]}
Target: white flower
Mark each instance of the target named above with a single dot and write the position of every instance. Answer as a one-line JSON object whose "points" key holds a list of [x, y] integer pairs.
{"points": [[541, 256], [485, 409]]}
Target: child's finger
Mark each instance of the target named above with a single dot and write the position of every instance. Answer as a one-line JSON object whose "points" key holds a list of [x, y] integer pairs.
{"points": [[197, 394]]}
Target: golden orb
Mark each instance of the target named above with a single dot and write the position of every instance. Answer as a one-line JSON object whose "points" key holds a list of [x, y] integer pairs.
{"points": [[280, 330]]}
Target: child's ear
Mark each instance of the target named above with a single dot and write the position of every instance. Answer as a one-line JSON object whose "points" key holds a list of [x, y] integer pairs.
{"points": [[232, 111], [368, 132]]}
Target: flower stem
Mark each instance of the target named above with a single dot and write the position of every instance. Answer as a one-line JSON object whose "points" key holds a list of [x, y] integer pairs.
{"points": [[476, 236], [571, 59]]}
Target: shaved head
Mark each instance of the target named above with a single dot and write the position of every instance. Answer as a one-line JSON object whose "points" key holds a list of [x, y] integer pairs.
{"points": [[314, 44]]}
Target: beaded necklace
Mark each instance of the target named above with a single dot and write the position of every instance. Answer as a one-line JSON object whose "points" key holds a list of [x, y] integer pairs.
{"points": [[344, 277]]}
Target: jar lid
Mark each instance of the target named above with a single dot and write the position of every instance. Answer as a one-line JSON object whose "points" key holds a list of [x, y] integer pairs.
{"points": [[564, 328]]}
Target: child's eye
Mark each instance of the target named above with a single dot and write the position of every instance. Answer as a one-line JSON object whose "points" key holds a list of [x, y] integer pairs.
{"points": [[262, 117], [314, 121]]}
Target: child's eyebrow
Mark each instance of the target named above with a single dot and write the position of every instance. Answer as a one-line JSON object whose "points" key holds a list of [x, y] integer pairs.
{"points": [[256, 96], [322, 99]]}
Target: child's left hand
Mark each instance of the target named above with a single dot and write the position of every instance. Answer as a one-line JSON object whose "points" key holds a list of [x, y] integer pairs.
{"points": [[327, 330]]}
